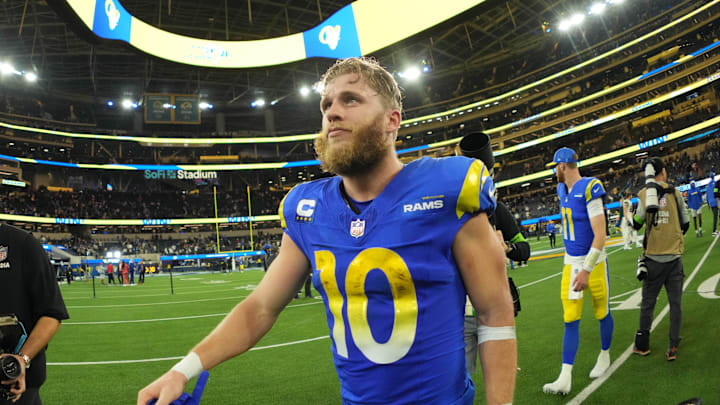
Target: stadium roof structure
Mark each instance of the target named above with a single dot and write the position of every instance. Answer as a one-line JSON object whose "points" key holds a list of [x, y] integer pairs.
{"points": [[71, 62]]}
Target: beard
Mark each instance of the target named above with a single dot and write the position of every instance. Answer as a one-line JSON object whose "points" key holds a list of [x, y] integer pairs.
{"points": [[358, 155], [560, 175]]}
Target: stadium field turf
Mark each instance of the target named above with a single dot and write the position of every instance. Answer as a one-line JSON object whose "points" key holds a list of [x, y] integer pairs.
{"points": [[118, 342]]}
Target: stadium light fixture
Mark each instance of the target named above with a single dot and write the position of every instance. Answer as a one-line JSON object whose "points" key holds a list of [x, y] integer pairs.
{"points": [[410, 74], [204, 105], [564, 25], [577, 19], [304, 91], [31, 77], [258, 103], [167, 105], [127, 104], [6, 68], [110, 103], [597, 8]]}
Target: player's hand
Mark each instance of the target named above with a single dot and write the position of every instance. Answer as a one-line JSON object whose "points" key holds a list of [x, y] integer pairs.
{"points": [[581, 280], [17, 386], [165, 389]]}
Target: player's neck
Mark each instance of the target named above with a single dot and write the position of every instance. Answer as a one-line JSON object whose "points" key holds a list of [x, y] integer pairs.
{"points": [[367, 186], [571, 178]]}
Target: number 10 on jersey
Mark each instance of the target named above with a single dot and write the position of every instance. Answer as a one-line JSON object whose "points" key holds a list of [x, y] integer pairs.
{"points": [[404, 301]]}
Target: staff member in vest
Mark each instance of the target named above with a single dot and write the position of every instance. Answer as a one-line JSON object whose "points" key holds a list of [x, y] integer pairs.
{"points": [[711, 195], [694, 203], [29, 290], [666, 220]]}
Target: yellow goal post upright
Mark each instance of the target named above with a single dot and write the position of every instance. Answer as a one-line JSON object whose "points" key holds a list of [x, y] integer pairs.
{"points": [[217, 227]]}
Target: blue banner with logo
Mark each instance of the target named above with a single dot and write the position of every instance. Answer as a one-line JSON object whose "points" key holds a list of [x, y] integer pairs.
{"points": [[112, 21], [336, 37]]}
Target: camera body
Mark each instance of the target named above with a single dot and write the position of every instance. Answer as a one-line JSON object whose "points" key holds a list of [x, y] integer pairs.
{"points": [[10, 367], [9, 370]]}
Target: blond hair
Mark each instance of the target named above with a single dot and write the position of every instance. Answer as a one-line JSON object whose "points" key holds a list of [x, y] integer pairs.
{"points": [[375, 75]]}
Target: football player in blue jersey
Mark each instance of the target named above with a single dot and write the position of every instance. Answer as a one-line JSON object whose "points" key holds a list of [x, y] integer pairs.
{"points": [[394, 249], [585, 265], [694, 203]]}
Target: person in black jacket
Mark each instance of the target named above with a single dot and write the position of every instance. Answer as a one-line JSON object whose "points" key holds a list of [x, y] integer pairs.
{"points": [[477, 145], [29, 292]]}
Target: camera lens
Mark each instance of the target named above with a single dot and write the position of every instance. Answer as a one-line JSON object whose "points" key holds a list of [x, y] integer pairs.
{"points": [[9, 368]]}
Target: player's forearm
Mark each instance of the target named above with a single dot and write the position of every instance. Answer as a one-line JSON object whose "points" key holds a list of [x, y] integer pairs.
{"points": [[598, 226], [599, 241], [498, 359], [44, 330], [241, 329]]}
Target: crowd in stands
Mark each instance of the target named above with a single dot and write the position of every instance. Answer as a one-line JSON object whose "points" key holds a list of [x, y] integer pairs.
{"points": [[165, 245], [129, 205], [46, 109]]}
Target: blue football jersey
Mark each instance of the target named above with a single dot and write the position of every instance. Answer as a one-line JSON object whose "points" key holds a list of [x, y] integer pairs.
{"points": [[694, 198], [393, 295], [577, 232]]}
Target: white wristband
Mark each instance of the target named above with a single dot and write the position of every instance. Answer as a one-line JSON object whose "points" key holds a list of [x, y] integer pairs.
{"points": [[487, 333], [591, 259], [190, 366]]}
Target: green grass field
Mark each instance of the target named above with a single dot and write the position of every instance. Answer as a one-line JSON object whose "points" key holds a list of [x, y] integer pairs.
{"points": [[117, 343]]}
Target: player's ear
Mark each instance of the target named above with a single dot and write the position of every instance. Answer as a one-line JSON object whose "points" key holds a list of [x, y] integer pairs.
{"points": [[393, 119]]}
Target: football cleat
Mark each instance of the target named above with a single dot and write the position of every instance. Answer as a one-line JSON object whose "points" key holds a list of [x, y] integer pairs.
{"points": [[561, 386], [671, 354], [601, 365]]}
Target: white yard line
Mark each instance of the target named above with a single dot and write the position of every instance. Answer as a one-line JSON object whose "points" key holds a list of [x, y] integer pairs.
{"points": [[179, 318], [93, 363], [593, 386], [155, 303]]}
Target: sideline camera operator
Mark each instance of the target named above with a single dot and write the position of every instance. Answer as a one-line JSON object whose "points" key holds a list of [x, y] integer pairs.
{"points": [[29, 291], [662, 210], [477, 145]]}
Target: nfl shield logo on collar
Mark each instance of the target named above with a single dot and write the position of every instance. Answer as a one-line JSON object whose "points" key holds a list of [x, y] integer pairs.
{"points": [[357, 228], [3, 253]]}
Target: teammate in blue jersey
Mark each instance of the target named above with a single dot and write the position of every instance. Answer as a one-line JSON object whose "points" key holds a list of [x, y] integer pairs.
{"points": [[550, 229], [583, 221], [394, 249], [694, 203]]}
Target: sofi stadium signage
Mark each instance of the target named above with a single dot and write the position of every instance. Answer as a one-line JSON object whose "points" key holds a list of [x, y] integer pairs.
{"points": [[179, 175]]}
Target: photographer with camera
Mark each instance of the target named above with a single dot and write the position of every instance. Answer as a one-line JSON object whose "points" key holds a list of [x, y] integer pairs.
{"points": [[477, 146], [662, 210], [30, 296]]}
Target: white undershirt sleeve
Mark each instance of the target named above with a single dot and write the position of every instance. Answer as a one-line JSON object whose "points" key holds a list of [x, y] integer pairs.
{"points": [[595, 207]]}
